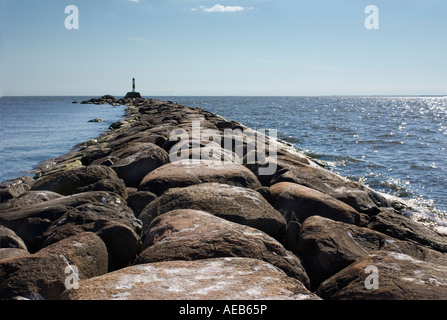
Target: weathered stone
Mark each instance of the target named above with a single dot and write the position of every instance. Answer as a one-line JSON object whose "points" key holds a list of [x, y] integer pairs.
{"points": [[351, 192], [29, 198], [297, 202], [261, 169], [133, 168], [209, 279], [123, 243], [9, 239], [266, 167], [31, 231], [44, 273], [182, 174], [215, 154], [138, 200], [119, 124], [192, 235], [328, 246], [118, 228], [94, 154], [111, 185], [127, 143], [11, 253], [236, 204], [15, 216], [289, 157], [401, 227], [178, 148], [30, 222], [388, 276], [67, 182], [64, 163], [13, 188]]}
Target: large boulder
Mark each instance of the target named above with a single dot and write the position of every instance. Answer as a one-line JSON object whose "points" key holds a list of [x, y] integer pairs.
{"points": [[116, 146], [138, 200], [110, 185], [44, 274], [13, 188], [28, 198], [328, 246], [31, 222], [215, 154], [351, 192], [10, 253], [398, 226], [236, 204], [123, 243], [181, 150], [208, 279], [67, 182], [90, 215], [297, 202], [117, 227], [388, 276], [192, 235], [266, 168], [134, 167], [9, 239], [190, 172]]}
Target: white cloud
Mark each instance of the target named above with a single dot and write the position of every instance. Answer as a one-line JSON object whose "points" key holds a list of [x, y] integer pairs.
{"points": [[136, 1], [221, 8]]}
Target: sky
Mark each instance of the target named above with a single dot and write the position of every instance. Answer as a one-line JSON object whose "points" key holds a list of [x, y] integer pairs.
{"points": [[223, 47]]}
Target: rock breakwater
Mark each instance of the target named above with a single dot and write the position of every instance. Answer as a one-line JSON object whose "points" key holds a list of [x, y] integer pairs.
{"points": [[175, 202]]}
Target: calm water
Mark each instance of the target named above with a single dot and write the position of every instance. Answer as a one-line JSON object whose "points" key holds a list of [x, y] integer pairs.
{"points": [[397, 145], [33, 129]]}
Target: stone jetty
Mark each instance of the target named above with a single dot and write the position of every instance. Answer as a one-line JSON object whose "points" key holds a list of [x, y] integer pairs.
{"points": [[174, 202]]}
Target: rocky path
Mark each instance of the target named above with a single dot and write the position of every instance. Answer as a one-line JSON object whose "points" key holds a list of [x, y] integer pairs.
{"points": [[178, 203]]}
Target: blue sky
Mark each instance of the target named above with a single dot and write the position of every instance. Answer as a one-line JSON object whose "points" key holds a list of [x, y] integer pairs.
{"points": [[223, 47]]}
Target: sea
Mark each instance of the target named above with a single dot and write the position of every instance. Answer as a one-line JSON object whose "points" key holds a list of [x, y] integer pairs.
{"points": [[394, 144]]}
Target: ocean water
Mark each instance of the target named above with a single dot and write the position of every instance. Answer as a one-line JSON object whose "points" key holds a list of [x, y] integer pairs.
{"points": [[33, 129], [396, 145]]}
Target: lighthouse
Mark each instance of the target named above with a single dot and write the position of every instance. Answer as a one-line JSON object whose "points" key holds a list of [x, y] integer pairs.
{"points": [[133, 94]]}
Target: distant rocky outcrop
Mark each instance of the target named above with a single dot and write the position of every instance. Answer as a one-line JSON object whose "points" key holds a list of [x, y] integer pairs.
{"points": [[152, 210], [106, 99], [109, 99]]}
